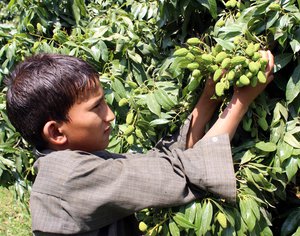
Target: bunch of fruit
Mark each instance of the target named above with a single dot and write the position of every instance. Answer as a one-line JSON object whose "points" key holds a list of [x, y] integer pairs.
{"points": [[240, 66]]}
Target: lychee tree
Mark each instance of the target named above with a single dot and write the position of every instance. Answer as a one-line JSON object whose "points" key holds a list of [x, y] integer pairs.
{"points": [[153, 58]]}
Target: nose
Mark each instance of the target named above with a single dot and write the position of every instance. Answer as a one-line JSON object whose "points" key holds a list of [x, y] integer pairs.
{"points": [[110, 116]]}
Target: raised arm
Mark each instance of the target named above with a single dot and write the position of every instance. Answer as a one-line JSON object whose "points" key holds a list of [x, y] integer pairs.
{"points": [[238, 106], [202, 114]]}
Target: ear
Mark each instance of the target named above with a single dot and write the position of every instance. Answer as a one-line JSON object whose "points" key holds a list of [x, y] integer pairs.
{"points": [[53, 135]]}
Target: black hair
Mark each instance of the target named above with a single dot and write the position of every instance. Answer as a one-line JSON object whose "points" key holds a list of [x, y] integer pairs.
{"points": [[44, 87]]}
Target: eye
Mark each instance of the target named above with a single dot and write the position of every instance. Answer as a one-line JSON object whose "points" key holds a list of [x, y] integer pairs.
{"points": [[99, 104]]}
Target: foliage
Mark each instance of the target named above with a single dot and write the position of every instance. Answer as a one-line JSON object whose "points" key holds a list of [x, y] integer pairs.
{"points": [[14, 219], [131, 44]]}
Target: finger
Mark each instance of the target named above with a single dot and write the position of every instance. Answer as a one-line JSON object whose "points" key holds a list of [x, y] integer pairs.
{"points": [[270, 58], [263, 54], [270, 78], [271, 61]]}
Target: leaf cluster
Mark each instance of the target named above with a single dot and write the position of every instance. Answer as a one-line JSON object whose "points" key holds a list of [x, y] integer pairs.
{"points": [[131, 44]]}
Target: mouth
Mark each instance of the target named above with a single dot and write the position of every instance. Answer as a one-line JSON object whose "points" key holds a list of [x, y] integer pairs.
{"points": [[107, 130]]}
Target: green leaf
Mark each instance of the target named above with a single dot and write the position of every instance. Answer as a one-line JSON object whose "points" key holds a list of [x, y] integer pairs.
{"points": [[254, 206], [279, 111], [181, 220], [152, 104], [96, 53], [284, 151], [295, 45], [207, 213], [198, 216], [291, 167], [76, 11], [11, 3], [262, 182], [118, 87], [247, 214], [266, 146], [103, 50], [134, 56], [18, 162], [273, 17], [163, 99], [291, 140], [190, 211], [297, 232], [174, 228], [139, 73], [159, 122], [211, 5], [293, 85], [282, 60], [247, 157], [291, 224], [225, 44]]}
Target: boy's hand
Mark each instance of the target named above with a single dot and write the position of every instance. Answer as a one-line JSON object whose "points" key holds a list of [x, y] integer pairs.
{"points": [[238, 106], [209, 88], [247, 94]]}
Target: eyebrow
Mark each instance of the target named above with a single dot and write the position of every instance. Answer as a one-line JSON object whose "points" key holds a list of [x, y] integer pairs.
{"points": [[97, 101]]}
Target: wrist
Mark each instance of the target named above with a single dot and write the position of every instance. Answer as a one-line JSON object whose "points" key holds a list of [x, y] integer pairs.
{"points": [[239, 105], [205, 107]]}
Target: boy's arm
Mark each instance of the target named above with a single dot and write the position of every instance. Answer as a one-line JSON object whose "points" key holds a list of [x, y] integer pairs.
{"points": [[202, 114], [238, 106]]}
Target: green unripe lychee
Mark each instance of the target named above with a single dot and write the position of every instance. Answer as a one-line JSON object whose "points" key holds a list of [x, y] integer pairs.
{"points": [[220, 57], [196, 73], [123, 102], [222, 219], [254, 67], [275, 6], [195, 50], [207, 58], [130, 139], [139, 133], [244, 80], [261, 77], [225, 63], [220, 23], [256, 56], [238, 60], [193, 84], [129, 130], [256, 47], [190, 56], [143, 226], [230, 75], [219, 89], [181, 52], [218, 73], [193, 41], [212, 68], [129, 118], [250, 50], [192, 66]]}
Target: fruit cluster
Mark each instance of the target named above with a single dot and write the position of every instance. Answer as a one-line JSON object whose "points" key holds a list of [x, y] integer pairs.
{"points": [[241, 66]]}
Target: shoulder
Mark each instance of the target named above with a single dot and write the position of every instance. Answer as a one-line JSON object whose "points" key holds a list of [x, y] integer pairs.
{"points": [[63, 158], [54, 167]]}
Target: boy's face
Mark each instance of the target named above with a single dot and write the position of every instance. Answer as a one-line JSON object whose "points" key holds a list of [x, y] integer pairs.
{"points": [[88, 127]]}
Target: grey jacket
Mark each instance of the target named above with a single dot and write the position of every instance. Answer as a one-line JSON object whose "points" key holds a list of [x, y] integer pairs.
{"points": [[84, 193]]}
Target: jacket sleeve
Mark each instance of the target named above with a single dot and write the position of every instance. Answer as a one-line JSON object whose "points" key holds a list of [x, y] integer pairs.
{"points": [[105, 190]]}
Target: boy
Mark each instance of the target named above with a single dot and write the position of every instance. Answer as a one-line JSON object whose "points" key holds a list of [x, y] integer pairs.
{"points": [[57, 104]]}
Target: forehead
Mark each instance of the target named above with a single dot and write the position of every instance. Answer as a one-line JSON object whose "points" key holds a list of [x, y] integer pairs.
{"points": [[91, 89]]}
